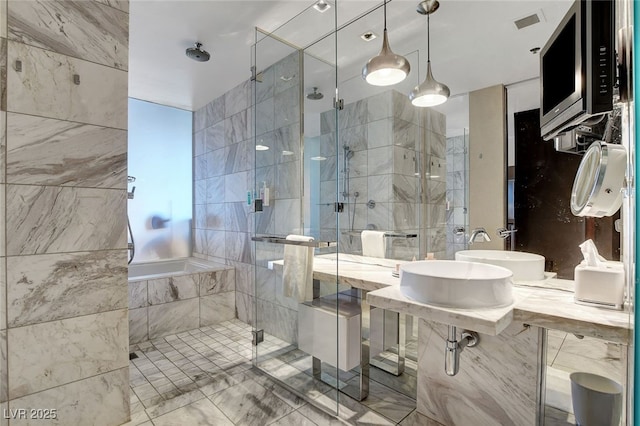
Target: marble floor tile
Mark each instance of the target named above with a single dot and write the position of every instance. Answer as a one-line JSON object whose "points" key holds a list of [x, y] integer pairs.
{"points": [[386, 401], [179, 401], [250, 403], [417, 419], [200, 413], [294, 419]]}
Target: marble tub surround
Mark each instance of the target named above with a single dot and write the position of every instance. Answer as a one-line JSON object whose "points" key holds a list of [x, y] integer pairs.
{"points": [[185, 301], [44, 151], [91, 31]]}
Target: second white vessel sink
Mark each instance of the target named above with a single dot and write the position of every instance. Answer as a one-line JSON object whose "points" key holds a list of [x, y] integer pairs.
{"points": [[456, 284], [525, 266]]}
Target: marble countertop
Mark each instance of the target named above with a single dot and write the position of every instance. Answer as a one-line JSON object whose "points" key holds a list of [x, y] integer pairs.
{"points": [[548, 304]]}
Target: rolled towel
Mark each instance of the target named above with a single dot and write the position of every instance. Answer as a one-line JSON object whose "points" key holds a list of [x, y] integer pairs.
{"points": [[373, 243], [297, 274]]}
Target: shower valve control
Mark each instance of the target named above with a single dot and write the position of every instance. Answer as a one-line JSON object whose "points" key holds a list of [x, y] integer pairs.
{"points": [[338, 207]]}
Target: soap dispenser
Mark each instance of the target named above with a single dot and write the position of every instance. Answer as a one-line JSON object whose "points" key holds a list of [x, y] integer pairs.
{"points": [[264, 194]]}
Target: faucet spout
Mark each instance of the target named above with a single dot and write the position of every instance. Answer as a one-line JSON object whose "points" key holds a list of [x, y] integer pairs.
{"points": [[479, 235]]}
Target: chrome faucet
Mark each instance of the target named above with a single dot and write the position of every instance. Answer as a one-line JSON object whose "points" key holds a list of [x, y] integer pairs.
{"points": [[454, 347], [479, 234]]}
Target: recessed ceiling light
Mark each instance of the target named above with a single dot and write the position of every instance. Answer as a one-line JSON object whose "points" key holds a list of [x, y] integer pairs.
{"points": [[322, 6], [534, 50], [368, 36], [287, 152], [318, 158], [262, 148], [286, 77]]}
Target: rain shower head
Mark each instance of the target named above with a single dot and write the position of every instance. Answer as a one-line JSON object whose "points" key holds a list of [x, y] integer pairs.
{"points": [[315, 95], [197, 53]]}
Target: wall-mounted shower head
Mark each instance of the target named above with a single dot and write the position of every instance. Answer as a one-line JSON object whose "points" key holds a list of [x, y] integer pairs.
{"points": [[197, 53], [348, 154], [315, 95]]}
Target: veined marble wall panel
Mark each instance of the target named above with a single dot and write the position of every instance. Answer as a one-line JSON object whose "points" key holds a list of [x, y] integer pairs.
{"points": [[56, 286], [288, 180], [404, 110], [82, 29], [237, 99], [238, 247], [170, 318], [436, 121], [217, 282], [122, 5], [47, 355], [3, 69], [239, 157], [209, 115], [496, 384], [3, 298], [379, 106], [3, 18], [380, 133], [45, 88], [44, 151], [138, 325], [60, 219], [4, 394], [217, 308], [170, 289], [138, 297], [104, 399]]}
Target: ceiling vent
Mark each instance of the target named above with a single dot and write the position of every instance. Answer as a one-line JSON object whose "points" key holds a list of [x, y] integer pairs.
{"points": [[529, 20]]}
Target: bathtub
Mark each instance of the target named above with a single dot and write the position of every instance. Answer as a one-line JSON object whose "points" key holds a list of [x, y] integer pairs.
{"points": [[171, 267], [171, 296]]}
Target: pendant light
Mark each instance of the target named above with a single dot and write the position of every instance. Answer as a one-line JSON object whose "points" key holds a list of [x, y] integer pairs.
{"points": [[386, 68], [430, 92]]}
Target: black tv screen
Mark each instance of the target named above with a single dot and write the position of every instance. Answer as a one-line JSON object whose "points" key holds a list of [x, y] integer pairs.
{"points": [[558, 67]]}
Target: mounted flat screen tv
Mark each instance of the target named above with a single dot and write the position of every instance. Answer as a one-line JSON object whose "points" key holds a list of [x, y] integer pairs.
{"points": [[577, 71]]}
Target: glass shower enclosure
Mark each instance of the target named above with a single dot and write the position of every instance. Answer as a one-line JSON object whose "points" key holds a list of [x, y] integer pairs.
{"points": [[335, 156]]}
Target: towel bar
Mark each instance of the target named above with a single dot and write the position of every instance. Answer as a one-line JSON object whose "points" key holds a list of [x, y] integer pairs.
{"points": [[283, 240]]}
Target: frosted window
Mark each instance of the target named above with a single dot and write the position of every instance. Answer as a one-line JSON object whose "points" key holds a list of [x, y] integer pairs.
{"points": [[160, 158]]}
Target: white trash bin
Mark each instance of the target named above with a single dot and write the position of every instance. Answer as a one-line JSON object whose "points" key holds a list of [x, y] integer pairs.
{"points": [[597, 400]]}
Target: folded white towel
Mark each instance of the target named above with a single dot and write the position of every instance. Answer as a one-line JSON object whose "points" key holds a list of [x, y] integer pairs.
{"points": [[373, 243], [297, 274]]}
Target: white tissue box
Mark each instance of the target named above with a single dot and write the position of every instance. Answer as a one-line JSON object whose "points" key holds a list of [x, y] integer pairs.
{"points": [[601, 286]]}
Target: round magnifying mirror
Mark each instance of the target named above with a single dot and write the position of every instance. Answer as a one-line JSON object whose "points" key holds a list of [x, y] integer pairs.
{"points": [[597, 188]]}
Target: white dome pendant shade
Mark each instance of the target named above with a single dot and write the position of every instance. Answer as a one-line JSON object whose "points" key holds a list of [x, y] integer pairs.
{"points": [[430, 92], [386, 68]]}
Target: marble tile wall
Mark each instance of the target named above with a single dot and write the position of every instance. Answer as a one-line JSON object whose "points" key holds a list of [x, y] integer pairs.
{"points": [[227, 166], [456, 199], [394, 146], [63, 147]]}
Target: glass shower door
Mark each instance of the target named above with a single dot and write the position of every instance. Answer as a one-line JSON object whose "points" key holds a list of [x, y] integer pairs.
{"points": [[295, 272]]}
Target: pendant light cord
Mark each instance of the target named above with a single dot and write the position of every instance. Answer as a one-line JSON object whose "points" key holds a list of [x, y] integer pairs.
{"points": [[428, 40], [385, 15]]}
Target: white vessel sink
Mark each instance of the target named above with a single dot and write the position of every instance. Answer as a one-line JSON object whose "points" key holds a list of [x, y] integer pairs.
{"points": [[525, 266], [456, 284]]}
